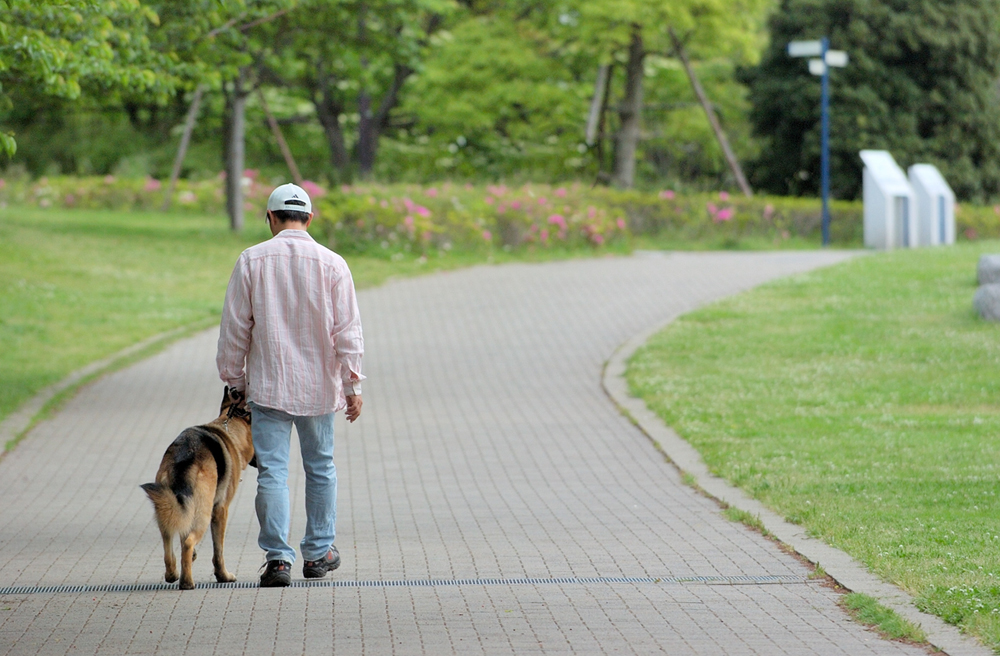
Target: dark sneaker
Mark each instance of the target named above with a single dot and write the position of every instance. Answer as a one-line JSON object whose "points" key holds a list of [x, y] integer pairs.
{"points": [[317, 569], [277, 574]]}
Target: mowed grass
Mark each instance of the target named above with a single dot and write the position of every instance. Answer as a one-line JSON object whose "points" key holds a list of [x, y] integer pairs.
{"points": [[77, 286], [863, 403]]}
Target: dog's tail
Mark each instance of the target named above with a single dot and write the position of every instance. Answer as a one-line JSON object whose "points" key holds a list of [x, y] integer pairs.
{"points": [[171, 510]]}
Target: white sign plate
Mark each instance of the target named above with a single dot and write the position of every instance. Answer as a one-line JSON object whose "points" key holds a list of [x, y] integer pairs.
{"points": [[817, 67], [805, 48], [836, 58]]}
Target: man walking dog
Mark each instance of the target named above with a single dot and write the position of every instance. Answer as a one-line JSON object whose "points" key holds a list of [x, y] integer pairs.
{"points": [[291, 339]]}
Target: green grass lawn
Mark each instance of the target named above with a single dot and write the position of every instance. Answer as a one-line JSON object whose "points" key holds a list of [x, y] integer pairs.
{"points": [[863, 403]]}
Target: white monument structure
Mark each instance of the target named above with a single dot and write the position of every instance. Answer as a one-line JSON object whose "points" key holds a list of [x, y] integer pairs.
{"points": [[890, 207], [935, 206]]}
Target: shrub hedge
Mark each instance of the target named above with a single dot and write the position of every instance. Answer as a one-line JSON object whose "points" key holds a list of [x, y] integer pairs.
{"points": [[394, 218]]}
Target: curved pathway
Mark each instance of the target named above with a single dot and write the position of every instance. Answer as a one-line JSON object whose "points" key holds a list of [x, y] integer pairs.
{"points": [[492, 498]]}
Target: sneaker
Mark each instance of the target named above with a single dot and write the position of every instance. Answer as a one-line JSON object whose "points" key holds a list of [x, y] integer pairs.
{"points": [[277, 574], [317, 569]]}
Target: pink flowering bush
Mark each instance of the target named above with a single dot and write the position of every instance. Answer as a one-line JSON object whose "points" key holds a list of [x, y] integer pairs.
{"points": [[376, 218], [383, 219]]}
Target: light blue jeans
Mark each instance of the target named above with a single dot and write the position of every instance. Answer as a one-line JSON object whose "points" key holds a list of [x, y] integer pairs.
{"points": [[272, 433]]}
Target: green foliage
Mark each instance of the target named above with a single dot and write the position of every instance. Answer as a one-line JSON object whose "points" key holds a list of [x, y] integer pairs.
{"points": [[860, 402], [60, 48], [921, 83]]}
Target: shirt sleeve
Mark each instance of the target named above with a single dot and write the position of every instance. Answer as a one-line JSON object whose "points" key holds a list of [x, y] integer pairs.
{"points": [[235, 328], [348, 340]]}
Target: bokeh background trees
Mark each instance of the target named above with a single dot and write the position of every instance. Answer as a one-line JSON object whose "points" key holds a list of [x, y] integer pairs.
{"points": [[499, 90]]}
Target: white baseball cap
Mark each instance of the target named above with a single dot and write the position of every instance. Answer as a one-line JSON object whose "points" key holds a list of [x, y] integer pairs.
{"points": [[289, 197]]}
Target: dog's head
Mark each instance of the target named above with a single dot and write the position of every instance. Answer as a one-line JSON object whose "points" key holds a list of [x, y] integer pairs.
{"points": [[234, 405]]}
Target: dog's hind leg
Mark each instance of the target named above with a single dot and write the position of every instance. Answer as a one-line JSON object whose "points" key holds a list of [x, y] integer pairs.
{"points": [[169, 562], [187, 556], [220, 515]]}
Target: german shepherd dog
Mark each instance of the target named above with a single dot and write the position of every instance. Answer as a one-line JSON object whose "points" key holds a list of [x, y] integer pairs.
{"points": [[197, 481]]}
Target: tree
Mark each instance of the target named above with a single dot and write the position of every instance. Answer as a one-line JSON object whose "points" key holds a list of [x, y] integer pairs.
{"points": [[921, 83], [223, 45], [62, 47], [627, 31], [493, 91], [353, 57]]}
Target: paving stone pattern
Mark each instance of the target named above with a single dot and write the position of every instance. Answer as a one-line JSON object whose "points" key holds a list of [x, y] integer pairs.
{"points": [[487, 450]]}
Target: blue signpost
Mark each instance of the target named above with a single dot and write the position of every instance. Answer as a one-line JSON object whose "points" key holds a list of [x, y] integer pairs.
{"points": [[821, 67]]}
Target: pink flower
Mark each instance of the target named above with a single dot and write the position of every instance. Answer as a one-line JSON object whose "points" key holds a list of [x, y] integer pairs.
{"points": [[408, 222], [723, 195], [559, 220], [515, 205], [313, 189], [591, 212], [152, 184], [560, 192], [409, 204], [489, 200], [768, 211], [542, 200], [597, 238], [996, 210], [544, 235], [468, 186], [427, 235], [724, 214], [109, 179], [3, 183], [253, 173], [384, 203], [501, 208], [432, 192], [667, 194], [345, 189], [712, 209], [487, 235], [621, 223], [423, 211]]}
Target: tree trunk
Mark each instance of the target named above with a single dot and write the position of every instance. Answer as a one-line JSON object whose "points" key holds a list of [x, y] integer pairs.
{"points": [[630, 114], [328, 110], [236, 102], [373, 122], [597, 103], [280, 138], [720, 135], [175, 173], [367, 135]]}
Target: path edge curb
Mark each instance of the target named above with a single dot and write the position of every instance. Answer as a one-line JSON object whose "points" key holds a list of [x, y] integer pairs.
{"points": [[847, 572], [21, 420]]}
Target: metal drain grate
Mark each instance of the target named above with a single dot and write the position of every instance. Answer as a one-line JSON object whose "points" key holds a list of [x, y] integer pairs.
{"points": [[778, 579]]}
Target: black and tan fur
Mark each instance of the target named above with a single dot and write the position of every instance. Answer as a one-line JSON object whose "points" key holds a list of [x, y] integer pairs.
{"points": [[195, 484]]}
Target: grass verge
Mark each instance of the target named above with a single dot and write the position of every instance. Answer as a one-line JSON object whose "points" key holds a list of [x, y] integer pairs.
{"points": [[860, 402], [886, 621]]}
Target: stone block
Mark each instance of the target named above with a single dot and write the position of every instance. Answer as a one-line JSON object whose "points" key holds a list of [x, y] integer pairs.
{"points": [[987, 301], [988, 271]]}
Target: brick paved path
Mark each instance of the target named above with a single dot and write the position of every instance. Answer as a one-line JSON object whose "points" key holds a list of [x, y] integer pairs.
{"points": [[488, 460]]}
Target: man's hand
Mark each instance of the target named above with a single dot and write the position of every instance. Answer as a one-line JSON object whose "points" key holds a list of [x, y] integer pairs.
{"points": [[353, 408]]}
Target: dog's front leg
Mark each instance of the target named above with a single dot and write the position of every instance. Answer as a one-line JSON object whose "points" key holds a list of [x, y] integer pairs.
{"points": [[169, 562], [220, 515]]}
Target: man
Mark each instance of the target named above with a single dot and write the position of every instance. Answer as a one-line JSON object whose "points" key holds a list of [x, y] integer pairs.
{"points": [[291, 339]]}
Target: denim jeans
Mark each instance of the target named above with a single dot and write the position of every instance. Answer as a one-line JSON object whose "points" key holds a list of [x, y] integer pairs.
{"points": [[272, 430]]}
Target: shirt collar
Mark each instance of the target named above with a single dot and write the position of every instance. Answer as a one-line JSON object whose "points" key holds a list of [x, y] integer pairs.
{"points": [[295, 234]]}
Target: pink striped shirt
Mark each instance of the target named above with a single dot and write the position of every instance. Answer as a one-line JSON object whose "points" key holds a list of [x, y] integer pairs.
{"points": [[291, 331]]}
